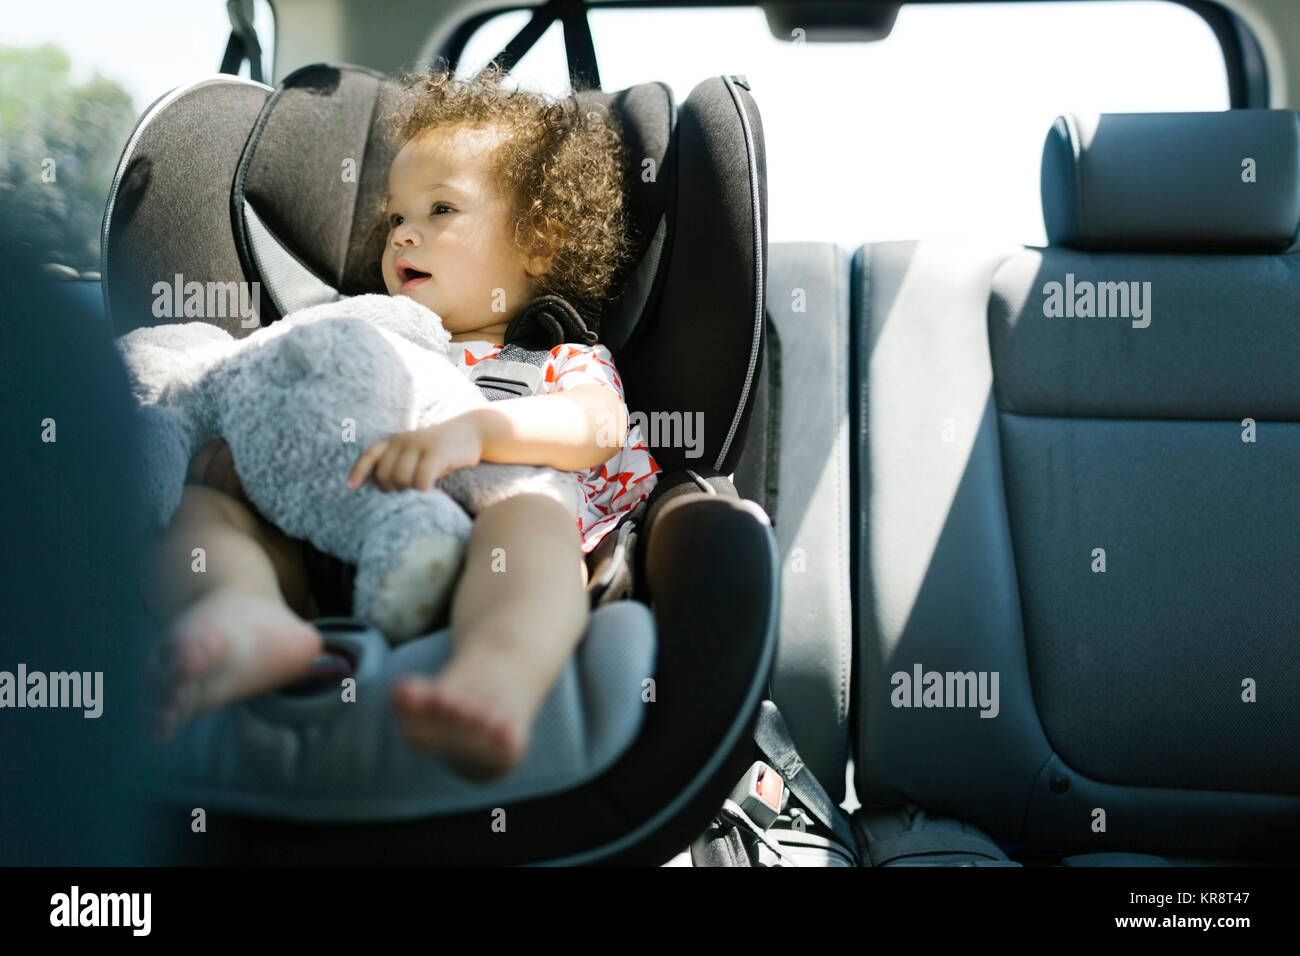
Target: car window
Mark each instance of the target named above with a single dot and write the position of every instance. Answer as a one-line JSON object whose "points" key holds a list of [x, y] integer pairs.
{"points": [[74, 78], [544, 67], [934, 131]]}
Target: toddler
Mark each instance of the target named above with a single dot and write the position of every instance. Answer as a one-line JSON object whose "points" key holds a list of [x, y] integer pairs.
{"points": [[495, 197]]}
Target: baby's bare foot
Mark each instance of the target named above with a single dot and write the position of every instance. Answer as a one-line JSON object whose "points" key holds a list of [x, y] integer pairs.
{"points": [[226, 646], [476, 714]]}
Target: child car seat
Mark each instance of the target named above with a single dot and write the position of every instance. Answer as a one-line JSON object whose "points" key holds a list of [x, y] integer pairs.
{"points": [[228, 180]]}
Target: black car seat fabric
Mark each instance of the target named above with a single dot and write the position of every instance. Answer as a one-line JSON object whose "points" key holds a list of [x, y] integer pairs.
{"points": [[1093, 502], [275, 187]]}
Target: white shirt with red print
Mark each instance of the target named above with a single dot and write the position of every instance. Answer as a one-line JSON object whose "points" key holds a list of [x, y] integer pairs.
{"points": [[614, 487]]}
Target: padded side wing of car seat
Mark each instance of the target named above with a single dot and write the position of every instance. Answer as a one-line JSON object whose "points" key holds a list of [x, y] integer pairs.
{"points": [[167, 214]]}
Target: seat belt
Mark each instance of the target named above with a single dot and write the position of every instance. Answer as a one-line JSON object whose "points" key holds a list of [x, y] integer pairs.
{"points": [[243, 43], [754, 805], [773, 738]]}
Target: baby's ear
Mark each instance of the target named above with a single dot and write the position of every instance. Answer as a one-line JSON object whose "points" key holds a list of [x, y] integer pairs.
{"points": [[539, 265], [540, 262]]}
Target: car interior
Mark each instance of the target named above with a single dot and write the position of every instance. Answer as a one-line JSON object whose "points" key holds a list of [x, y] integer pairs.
{"points": [[981, 552]]}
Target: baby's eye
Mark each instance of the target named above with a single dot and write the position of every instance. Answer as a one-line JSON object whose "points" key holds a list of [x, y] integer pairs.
{"points": [[395, 220], [440, 205]]}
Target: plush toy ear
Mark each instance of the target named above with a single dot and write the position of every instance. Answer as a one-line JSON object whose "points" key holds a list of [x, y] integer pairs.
{"points": [[303, 349]]}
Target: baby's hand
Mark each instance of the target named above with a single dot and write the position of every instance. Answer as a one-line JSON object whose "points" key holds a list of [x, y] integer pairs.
{"points": [[419, 458]]}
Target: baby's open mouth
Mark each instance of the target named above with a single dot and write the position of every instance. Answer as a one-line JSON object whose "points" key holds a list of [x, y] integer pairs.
{"points": [[407, 274]]}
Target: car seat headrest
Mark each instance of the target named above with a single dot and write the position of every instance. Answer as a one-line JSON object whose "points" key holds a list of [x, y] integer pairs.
{"points": [[310, 229], [1226, 181], [306, 187]]}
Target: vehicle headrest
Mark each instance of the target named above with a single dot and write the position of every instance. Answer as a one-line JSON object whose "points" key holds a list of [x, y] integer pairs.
{"points": [[1226, 181]]}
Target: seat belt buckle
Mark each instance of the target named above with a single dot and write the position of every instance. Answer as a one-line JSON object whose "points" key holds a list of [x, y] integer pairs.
{"points": [[761, 793]]}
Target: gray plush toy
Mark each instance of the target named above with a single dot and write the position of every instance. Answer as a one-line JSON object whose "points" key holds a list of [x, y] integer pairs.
{"points": [[297, 402]]}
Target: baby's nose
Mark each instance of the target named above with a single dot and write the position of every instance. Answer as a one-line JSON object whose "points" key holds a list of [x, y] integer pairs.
{"points": [[404, 235]]}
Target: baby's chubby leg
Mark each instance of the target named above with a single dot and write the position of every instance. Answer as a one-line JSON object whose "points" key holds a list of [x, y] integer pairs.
{"points": [[230, 632], [519, 611]]}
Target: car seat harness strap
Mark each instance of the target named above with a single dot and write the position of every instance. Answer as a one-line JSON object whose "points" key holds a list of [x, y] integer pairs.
{"points": [[541, 325]]}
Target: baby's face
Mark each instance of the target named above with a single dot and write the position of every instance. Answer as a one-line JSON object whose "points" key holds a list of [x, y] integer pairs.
{"points": [[449, 243]]}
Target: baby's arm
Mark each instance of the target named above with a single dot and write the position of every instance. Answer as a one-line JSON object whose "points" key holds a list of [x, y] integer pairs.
{"points": [[572, 430]]}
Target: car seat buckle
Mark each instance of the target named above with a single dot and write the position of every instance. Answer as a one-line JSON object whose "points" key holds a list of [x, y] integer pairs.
{"points": [[761, 794], [519, 378]]}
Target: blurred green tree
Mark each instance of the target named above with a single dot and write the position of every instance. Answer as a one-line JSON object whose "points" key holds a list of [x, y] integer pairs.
{"points": [[59, 147]]}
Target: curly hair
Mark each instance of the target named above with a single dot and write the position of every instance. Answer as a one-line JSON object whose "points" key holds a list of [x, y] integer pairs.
{"points": [[559, 165]]}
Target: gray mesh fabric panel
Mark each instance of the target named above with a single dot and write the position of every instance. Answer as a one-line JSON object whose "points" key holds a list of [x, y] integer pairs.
{"points": [[170, 203]]}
